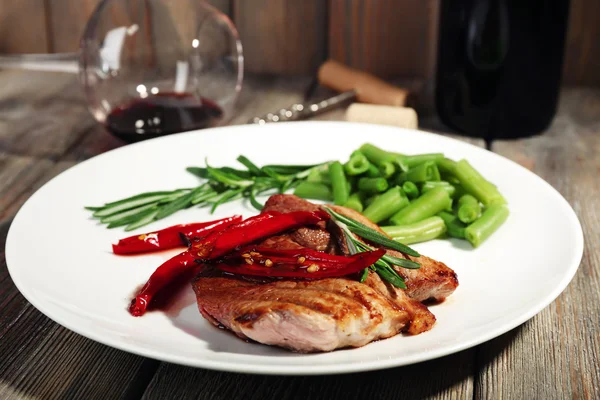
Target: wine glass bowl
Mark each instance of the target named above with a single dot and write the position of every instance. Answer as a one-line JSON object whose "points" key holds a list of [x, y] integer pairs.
{"points": [[156, 67]]}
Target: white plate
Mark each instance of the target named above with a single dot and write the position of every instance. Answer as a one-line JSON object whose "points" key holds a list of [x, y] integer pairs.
{"points": [[61, 260]]}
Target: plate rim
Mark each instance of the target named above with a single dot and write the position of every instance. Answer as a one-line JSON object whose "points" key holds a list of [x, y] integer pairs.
{"points": [[299, 369]]}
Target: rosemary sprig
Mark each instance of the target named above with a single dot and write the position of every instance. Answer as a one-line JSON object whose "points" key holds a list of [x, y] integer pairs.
{"points": [[371, 235], [219, 186], [383, 266]]}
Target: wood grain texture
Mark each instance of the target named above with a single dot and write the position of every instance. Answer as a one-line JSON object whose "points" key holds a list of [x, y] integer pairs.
{"points": [[281, 36], [23, 27], [61, 117], [67, 22], [18, 176], [556, 354], [385, 37], [582, 50], [41, 359], [446, 378], [225, 6], [20, 89]]}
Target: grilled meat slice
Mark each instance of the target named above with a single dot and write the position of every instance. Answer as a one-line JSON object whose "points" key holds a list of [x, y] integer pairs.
{"points": [[324, 314], [434, 280], [421, 319], [304, 316], [309, 316]]}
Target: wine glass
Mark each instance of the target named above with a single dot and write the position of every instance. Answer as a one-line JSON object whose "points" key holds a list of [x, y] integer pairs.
{"points": [[156, 67]]}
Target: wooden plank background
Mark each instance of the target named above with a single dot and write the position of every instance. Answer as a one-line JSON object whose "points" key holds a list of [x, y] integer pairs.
{"points": [[281, 36], [393, 39]]}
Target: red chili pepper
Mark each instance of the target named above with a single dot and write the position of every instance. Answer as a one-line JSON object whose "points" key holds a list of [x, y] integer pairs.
{"points": [[310, 270], [290, 255], [170, 271], [170, 237], [262, 226], [164, 275], [218, 243]]}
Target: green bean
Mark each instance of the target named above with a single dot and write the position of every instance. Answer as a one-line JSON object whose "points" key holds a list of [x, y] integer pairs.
{"points": [[313, 190], [372, 185], [354, 202], [357, 165], [325, 177], [411, 190], [355, 152], [402, 166], [387, 169], [373, 171], [469, 208], [429, 185], [454, 227], [314, 176], [446, 166], [491, 219], [421, 173], [369, 200], [386, 205], [422, 231], [375, 155], [459, 192], [352, 184], [476, 185], [429, 204], [468, 213], [339, 183], [319, 175], [416, 159], [436, 173]]}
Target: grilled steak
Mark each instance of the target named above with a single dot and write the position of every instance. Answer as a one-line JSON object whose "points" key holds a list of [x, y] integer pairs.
{"points": [[434, 280], [323, 314], [304, 316]]}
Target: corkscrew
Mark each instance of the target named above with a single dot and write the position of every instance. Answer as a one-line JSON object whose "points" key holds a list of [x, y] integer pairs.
{"points": [[300, 111], [351, 84]]}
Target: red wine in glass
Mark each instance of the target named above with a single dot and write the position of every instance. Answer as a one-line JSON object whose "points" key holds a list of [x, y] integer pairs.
{"points": [[162, 114]]}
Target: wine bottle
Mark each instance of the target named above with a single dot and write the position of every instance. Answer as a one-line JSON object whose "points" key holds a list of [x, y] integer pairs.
{"points": [[499, 65]]}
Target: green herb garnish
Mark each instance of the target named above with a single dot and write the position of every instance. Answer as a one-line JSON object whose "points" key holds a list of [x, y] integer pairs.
{"points": [[371, 235], [383, 266], [221, 185]]}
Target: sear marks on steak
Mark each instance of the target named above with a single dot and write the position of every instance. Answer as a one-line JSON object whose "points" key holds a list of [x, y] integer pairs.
{"points": [[304, 316], [433, 281], [323, 314]]}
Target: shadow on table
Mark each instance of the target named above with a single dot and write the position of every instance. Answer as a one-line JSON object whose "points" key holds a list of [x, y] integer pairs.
{"points": [[456, 374]]}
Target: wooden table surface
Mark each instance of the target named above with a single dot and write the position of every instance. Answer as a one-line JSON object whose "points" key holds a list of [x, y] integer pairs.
{"points": [[45, 129]]}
